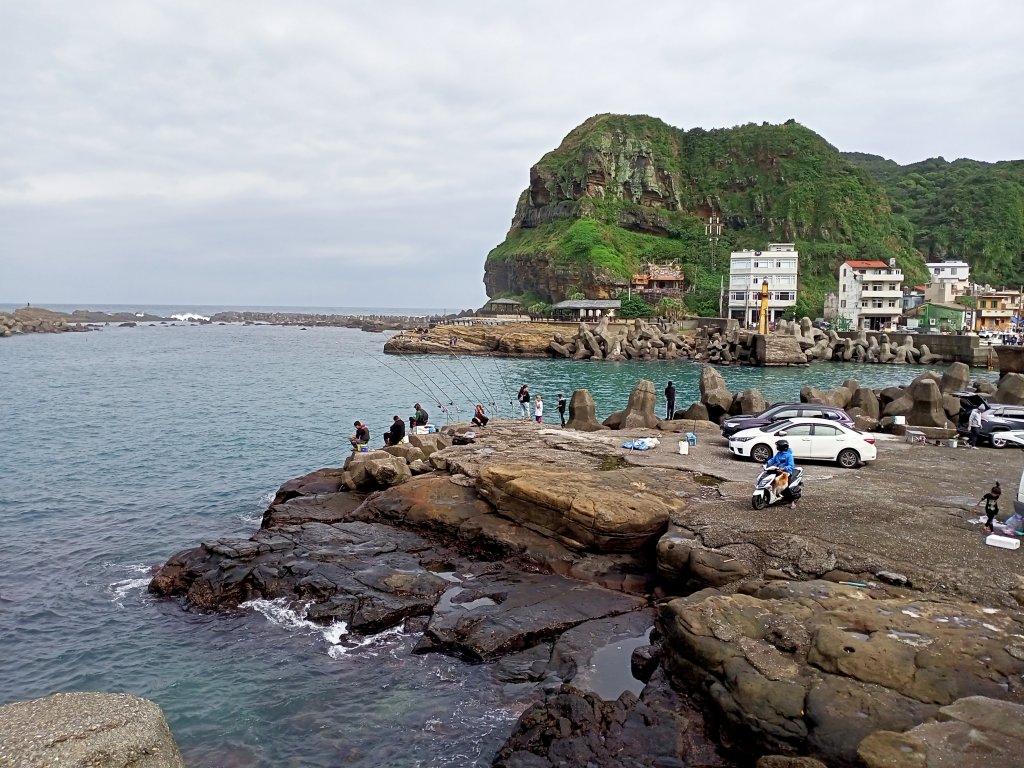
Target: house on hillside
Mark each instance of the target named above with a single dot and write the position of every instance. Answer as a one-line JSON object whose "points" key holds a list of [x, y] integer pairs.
{"points": [[996, 310], [870, 293], [955, 275], [585, 310], [944, 317], [658, 281], [748, 270]]}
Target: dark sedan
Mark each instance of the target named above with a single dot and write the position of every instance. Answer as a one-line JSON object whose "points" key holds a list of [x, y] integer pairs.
{"points": [[734, 424]]}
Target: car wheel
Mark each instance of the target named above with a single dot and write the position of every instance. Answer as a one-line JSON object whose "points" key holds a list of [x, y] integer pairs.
{"points": [[761, 453], [848, 458], [759, 501], [997, 440]]}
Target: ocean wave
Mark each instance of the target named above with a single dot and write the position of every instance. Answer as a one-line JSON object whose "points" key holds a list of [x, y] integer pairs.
{"points": [[284, 614], [188, 316], [119, 590]]}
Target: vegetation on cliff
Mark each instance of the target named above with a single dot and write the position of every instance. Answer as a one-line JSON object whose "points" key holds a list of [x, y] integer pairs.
{"points": [[624, 190], [963, 209]]}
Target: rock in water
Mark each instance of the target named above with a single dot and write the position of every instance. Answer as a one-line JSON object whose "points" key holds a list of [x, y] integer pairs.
{"points": [[93, 730]]}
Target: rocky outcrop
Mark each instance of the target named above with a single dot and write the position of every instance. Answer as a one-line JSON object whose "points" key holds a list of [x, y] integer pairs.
{"points": [[820, 666], [29, 320], [505, 339], [597, 511], [99, 730]]}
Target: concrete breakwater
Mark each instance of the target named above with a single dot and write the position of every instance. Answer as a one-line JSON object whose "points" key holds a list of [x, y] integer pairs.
{"points": [[370, 323]]}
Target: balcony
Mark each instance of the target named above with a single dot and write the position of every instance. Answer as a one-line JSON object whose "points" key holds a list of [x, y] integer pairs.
{"points": [[885, 293], [883, 274]]}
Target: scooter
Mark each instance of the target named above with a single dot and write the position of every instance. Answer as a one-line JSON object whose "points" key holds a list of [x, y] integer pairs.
{"points": [[765, 494]]}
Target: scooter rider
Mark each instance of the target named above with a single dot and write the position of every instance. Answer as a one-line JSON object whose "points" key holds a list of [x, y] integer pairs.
{"points": [[784, 466]]}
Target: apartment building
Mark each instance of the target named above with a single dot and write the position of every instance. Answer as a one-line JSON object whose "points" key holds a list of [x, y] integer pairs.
{"points": [[778, 264], [870, 293]]}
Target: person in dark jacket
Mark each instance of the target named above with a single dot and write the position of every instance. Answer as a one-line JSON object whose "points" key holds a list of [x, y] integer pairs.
{"points": [[396, 434], [420, 417], [670, 399], [561, 407], [524, 401], [361, 437]]}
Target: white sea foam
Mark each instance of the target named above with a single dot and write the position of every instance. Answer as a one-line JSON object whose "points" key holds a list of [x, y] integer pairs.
{"points": [[255, 515], [187, 316], [339, 642], [119, 589]]}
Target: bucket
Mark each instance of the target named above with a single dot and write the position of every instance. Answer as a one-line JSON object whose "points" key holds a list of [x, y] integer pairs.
{"points": [[899, 419], [684, 447], [952, 443]]}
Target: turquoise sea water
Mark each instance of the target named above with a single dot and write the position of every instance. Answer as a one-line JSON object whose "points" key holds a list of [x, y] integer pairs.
{"points": [[126, 445]]}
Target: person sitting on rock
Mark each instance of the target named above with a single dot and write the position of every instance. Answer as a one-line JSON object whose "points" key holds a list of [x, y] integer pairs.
{"points": [[420, 417], [480, 416], [361, 437], [784, 464], [396, 434]]}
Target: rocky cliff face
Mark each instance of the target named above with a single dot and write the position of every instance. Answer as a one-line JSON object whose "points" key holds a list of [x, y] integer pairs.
{"points": [[622, 190]]}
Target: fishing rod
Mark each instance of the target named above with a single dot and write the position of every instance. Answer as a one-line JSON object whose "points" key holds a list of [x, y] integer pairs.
{"points": [[433, 396], [479, 378], [504, 383], [455, 383], [425, 378]]}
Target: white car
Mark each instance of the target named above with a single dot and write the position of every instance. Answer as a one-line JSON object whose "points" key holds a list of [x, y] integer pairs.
{"points": [[808, 439]]}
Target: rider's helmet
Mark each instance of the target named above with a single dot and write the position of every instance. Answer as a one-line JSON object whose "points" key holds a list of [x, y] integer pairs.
{"points": [[782, 445]]}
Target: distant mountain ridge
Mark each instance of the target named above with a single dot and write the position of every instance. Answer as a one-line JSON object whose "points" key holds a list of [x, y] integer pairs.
{"points": [[621, 190]]}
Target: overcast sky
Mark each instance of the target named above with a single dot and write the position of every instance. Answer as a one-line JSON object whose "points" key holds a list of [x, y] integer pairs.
{"points": [[370, 154]]}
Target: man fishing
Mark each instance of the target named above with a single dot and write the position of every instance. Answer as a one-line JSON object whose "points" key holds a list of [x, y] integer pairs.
{"points": [[361, 437], [420, 417]]}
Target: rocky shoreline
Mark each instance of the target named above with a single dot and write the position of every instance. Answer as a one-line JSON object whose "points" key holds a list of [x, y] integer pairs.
{"points": [[870, 627]]}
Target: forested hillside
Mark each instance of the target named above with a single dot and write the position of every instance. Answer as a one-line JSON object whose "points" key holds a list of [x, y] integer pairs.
{"points": [[620, 190]]}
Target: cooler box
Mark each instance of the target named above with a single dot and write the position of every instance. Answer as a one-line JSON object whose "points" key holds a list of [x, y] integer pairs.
{"points": [[1005, 542], [420, 431], [431, 429]]}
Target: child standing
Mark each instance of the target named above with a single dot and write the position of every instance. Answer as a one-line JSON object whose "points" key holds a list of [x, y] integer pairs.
{"points": [[538, 409], [991, 500]]}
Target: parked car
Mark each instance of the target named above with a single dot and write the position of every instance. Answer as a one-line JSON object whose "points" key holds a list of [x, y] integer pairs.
{"points": [[1000, 418], [783, 411], [968, 402], [808, 439], [821, 324]]}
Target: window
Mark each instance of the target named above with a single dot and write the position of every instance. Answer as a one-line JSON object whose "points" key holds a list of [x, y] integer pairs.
{"points": [[799, 430], [826, 430], [842, 303], [789, 413], [892, 302], [738, 295]]}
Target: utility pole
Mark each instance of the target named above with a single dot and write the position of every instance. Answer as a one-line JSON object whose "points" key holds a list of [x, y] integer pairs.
{"points": [[713, 229]]}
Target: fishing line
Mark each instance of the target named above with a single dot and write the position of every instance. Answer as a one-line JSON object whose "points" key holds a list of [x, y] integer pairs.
{"points": [[483, 384]]}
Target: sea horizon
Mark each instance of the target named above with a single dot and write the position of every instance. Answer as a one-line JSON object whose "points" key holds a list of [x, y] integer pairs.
{"points": [[166, 310]]}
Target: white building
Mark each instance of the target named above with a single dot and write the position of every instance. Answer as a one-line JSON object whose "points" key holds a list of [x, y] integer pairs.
{"points": [[749, 269], [955, 271], [870, 293]]}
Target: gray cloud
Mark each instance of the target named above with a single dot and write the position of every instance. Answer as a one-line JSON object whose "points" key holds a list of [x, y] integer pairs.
{"points": [[338, 155]]}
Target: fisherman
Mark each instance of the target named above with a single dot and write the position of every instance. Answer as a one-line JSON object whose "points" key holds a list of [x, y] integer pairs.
{"points": [[480, 416], [785, 466], [396, 433], [361, 437], [420, 417], [670, 398], [561, 407]]}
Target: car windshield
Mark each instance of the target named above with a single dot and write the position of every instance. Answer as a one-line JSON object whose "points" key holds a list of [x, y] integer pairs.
{"points": [[778, 425]]}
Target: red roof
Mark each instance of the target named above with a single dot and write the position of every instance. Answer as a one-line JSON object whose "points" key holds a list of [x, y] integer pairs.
{"points": [[866, 264]]}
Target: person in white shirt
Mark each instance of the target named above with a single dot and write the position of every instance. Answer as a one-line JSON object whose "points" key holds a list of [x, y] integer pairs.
{"points": [[974, 423], [538, 409]]}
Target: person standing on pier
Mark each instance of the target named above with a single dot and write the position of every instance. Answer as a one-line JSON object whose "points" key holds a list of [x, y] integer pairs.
{"points": [[524, 401], [670, 399], [561, 408]]}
